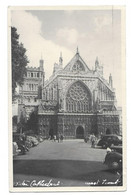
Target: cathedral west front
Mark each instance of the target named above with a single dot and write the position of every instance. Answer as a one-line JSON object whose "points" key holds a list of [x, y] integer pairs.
{"points": [[77, 101]]}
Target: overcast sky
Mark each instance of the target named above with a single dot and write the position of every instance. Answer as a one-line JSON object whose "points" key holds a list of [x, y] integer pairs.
{"points": [[95, 32]]}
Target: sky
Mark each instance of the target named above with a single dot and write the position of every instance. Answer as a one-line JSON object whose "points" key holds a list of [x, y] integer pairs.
{"points": [[46, 33]]}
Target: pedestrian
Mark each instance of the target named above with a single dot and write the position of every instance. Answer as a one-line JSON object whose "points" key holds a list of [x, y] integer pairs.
{"points": [[61, 138], [54, 138], [58, 137], [93, 140], [86, 139]]}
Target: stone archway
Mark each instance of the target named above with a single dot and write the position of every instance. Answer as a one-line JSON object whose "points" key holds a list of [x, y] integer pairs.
{"points": [[108, 131], [80, 132]]}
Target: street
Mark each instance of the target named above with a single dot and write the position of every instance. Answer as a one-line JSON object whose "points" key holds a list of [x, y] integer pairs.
{"points": [[71, 163]]}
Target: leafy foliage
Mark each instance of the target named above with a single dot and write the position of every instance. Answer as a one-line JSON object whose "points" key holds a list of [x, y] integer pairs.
{"points": [[22, 125], [19, 60], [32, 123]]}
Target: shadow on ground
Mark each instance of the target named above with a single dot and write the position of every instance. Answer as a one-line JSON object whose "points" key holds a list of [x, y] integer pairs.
{"points": [[64, 169]]}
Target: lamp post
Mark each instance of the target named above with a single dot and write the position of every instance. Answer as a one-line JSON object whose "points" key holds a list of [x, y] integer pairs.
{"points": [[63, 122], [95, 129]]}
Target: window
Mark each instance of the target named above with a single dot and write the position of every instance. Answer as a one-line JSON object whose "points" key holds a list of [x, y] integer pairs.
{"points": [[27, 87], [37, 74], [78, 66], [32, 74], [29, 99], [78, 98], [28, 74], [30, 87]]}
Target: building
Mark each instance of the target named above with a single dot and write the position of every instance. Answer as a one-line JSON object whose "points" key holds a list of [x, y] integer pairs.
{"points": [[30, 91], [28, 95], [77, 101]]}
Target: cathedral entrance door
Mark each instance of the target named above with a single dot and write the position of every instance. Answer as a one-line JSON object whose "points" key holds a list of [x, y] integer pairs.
{"points": [[80, 132]]}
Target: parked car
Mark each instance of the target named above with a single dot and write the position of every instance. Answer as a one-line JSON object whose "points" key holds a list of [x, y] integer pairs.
{"points": [[19, 139], [113, 158], [15, 149], [116, 149], [28, 144], [109, 140], [33, 140], [41, 139]]}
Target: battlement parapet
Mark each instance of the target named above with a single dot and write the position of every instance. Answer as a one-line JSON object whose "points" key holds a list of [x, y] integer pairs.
{"points": [[30, 68]]}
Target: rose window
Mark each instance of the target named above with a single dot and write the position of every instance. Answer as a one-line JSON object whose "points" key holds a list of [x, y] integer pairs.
{"points": [[77, 92], [78, 98]]}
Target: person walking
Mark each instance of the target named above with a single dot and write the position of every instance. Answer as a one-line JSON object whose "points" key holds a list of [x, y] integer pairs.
{"points": [[93, 140], [58, 137], [61, 138], [54, 138]]}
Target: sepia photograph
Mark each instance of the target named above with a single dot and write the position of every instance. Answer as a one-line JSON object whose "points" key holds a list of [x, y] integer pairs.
{"points": [[67, 129]]}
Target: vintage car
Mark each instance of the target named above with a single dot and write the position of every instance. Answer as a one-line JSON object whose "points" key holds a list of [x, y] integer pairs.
{"points": [[113, 158], [109, 140], [33, 140], [117, 149], [15, 149], [41, 139], [19, 139]]}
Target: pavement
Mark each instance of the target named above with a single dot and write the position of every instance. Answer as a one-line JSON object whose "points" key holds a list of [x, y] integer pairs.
{"points": [[70, 163]]}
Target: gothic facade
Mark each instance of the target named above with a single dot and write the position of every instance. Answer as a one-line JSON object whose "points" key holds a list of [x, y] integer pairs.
{"points": [[77, 101], [31, 88]]}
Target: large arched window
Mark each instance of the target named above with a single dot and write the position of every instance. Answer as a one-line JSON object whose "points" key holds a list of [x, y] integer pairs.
{"points": [[78, 98]]}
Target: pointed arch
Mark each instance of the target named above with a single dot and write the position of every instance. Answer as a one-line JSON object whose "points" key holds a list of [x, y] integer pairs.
{"points": [[79, 96]]}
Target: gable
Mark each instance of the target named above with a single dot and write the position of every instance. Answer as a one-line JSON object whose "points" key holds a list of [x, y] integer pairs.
{"points": [[76, 64]]}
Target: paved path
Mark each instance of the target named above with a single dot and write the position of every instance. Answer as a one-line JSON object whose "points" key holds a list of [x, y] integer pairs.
{"points": [[69, 150], [71, 163]]}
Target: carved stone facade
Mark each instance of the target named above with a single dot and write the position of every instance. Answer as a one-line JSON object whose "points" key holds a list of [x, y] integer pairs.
{"points": [[77, 101], [29, 91], [28, 95]]}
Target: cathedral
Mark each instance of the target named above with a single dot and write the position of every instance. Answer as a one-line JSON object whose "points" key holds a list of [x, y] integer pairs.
{"points": [[77, 101]]}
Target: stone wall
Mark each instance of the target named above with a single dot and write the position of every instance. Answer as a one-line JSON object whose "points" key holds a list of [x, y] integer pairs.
{"points": [[68, 124]]}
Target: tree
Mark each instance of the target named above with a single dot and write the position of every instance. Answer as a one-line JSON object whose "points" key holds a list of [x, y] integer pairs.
{"points": [[21, 127], [19, 60], [32, 123]]}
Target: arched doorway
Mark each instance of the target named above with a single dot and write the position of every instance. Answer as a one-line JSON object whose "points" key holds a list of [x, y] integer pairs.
{"points": [[108, 131], [80, 132]]}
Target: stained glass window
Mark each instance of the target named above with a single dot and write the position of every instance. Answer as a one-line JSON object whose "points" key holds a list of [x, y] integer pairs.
{"points": [[78, 98]]}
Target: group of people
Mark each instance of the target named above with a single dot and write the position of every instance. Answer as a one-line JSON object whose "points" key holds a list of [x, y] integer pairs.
{"points": [[58, 138], [92, 139]]}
